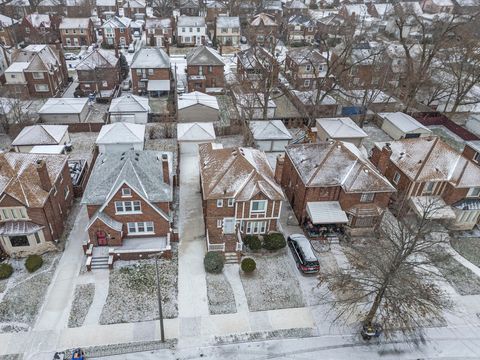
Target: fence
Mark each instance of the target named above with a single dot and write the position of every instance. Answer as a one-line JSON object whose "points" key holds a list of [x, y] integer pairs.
{"points": [[435, 118]]}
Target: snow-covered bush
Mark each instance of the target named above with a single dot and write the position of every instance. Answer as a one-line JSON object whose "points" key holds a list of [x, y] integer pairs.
{"points": [[248, 265], [213, 262], [274, 241]]}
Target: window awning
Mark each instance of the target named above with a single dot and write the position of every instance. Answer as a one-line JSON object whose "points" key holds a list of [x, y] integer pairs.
{"points": [[158, 85], [326, 212], [434, 206], [13, 228]]}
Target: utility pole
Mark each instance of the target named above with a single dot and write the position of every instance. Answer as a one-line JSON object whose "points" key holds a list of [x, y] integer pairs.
{"points": [[160, 312]]}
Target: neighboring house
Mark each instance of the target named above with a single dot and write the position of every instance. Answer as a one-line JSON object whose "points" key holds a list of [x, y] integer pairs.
{"points": [[134, 9], [273, 8], [270, 135], [428, 172], [121, 136], [197, 107], [159, 31], [189, 7], [99, 71], [45, 135], [64, 110], [314, 104], [305, 68], [5, 58], [191, 31], [214, 9], [77, 32], [36, 197], [472, 151], [205, 70], [17, 9], [240, 195], [129, 108], [295, 7], [301, 30], [227, 30], [128, 199], [36, 71], [438, 6], [191, 135], [116, 32], [254, 65], [262, 30], [10, 34], [151, 72], [40, 29], [400, 126], [106, 9], [250, 106], [332, 184], [343, 129], [77, 8]]}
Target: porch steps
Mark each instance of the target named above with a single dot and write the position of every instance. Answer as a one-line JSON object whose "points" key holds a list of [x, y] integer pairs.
{"points": [[231, 258], [100, 262]]}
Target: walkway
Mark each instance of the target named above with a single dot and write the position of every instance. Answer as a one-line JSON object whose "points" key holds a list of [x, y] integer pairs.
{"points": [[101, 282], [231, 272]]}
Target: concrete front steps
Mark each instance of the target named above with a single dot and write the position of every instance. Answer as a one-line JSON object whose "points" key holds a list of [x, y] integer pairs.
{"points": [[231, 258], [99, 262]]}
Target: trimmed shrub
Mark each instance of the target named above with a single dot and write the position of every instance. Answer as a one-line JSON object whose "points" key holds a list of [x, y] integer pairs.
{"points": [[248, 265], [274, 241], [5, 271], [33, 263], [213, 262], [253, 242]]}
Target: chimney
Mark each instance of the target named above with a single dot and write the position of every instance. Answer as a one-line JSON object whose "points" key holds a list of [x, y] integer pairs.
{"points": [[42, 171], [384, 158], [279, 168], [165, 170]]}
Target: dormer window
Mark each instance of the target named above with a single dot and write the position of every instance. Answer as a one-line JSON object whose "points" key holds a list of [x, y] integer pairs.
{"points": [[476, 157], [126, 192], [474, 192]]}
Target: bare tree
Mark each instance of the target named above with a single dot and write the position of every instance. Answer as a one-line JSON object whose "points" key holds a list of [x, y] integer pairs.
{"points": [[163, 8], [12, 112]]}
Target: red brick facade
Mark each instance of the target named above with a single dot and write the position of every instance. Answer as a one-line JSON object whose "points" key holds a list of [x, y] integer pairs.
{"points": [[202, 77]]}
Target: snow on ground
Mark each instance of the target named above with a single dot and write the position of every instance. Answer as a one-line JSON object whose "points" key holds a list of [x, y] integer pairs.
{"points": [[463, 280], [468, 247], [82, 300], [162, 137], [82, 145], [220, 295], [24, 292], [449, 137], [273, 285], [375, 134], [5, 142], [132, 294]]}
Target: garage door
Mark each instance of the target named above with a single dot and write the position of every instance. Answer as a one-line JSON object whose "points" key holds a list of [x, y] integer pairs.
{"points": [[122, 118], [188, 148]]}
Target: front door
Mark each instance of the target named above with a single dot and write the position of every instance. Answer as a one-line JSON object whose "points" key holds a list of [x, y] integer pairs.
{"points": [[229, 225], [101, 238]]}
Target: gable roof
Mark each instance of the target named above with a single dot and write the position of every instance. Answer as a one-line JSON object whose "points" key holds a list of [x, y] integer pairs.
{"points": [[129, 103], [38, 57], [152, 58], [117, 22], [121, 133], [37, 20], [40, 135], [75, 23], [202, 55], [306, 56], [134, 4], [142, 170], [197, 21], [336, 163], [228, 22], [195, 131], [238, 173], [63, 106], [343, 127], [295, 4], [269, 130], [264, 19], [404, 122], [196, 97], [6, 21], [152, 23], [98, 58]]}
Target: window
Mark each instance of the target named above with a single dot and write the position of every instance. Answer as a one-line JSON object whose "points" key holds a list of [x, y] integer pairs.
{"points": [[191, 29], [150, 71], [256, 227], [122, 30], [200, 70], [139, 72], [198, 30], [306, 82], [104, 83], [38, 75], [219, 223], [474, 192], [140, 227], [126, 192], [66, 31], [367, 197], [183, 29], [20, 240], [125, 207], [223, 31], [210, 69], [219, 203], [37, 238], [308, 67], [231, 201], [27, 30], [428, 187], [476, 158], [396, 177], [258, 206], [66, 191], [41, 87]]}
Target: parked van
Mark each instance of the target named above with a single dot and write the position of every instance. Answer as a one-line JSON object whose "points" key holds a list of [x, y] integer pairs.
{"points": [[303, 253]]}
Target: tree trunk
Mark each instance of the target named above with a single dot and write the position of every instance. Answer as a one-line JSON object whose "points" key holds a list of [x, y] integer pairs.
{"points": [[376, 303]]}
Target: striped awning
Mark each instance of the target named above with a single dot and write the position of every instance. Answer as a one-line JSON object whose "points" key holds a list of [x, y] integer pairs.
{"points": [[13, 228]]}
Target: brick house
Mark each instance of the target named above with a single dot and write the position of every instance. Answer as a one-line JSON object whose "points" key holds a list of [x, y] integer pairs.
{"points": [[99, 71], [333, 183], [239, 194], [116, 32], [128, 200], [227, 30], [205, 70], [134, 9], [214, 9], [262, 30], [37, 195], [427, 170], [189, 7], [159, 31], [9, 31], [151, 72], [191, 31], [106, 9], [295, 7], [304, 68], [40, 29], [77, 32], [36, 71], [253, 65], [300, 30]]}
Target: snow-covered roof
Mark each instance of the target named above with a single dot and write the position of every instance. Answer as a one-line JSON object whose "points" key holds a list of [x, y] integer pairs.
{"points": [[228, 22], [269, 130], [357, 9], [134, 4], [475, 145], [338, 128], [158, 85], [128, 104], [152, 58], [295, 4], [17, 67], [374, 96], [121, 133], [63, 106], [117, 22], [336, 163], [19, 227], [203, 55], [197, 97], [7, 21], [38, 57], [309, 97], [403, 122], [383, 9], [264, 19], [38, 20], [305, 56], [194, 21], [443, 2], [326, 212], [99, 58], [40, 135], [48, 149], [196, 131], [239, 173], [75, 23], [152, 23], [106, 3]]}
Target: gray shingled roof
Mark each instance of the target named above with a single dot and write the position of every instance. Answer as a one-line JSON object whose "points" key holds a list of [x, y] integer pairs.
{"points": [[203, 55], [153, 58]]}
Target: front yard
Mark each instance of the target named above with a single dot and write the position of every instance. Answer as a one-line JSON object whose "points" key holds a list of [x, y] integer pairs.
{"points": [[468, 247], [220, 295]]}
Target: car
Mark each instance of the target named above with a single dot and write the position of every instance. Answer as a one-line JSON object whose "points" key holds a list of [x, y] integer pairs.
{"points": [[70, 56], [131, 48], [126, 84], [303, 254], [136, 34], [243, 40], [180, 87]]}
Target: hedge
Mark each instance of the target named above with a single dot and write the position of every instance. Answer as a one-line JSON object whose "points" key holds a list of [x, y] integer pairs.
{"points": [[5, 271], [274, 241], [248, 265], [213, 262], [33, 263], [253, 242]]}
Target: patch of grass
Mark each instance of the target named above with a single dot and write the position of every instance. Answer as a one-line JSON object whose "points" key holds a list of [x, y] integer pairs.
{"points": [[82, 301], [463, 280], [220, 295], [469, 248]]}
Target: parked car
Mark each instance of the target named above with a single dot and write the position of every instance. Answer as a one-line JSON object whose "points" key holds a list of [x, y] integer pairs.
{"points": [[131, 48], [136, 34], [243, 40], [303, 254], [126, 84], [70, 56], [180, 87]]}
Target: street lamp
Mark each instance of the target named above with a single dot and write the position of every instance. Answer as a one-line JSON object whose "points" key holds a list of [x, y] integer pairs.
{"points": [[160, 312]]}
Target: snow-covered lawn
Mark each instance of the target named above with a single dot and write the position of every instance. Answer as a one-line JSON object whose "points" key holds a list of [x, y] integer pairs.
{"points": [[220, 295], [82, 300], [463, 280], [132, 294], [273, 285], [24, 292], [82, 145], [468, 247]]}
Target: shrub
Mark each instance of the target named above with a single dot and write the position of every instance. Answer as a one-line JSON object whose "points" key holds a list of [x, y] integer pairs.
{"points": [[248, 265], [5, 271], [33, 263], [213, 262], [253, 242], [274, 241]]}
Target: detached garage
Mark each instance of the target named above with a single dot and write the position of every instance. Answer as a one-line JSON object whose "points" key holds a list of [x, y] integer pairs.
{"points": [[270, 135], [121, 137], [402, 126], [190, 135], [129, 108], [64, 110]]}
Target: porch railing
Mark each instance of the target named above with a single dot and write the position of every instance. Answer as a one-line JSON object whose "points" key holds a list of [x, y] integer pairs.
{"points": [[214, 247], [239, 245]]}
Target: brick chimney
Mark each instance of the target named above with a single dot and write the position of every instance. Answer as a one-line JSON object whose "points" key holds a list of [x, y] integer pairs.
{"points": [[165, 170], [384, 158], [42, 171], [279, 168]]}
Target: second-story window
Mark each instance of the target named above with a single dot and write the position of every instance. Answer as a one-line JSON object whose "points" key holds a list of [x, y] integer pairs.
{"points": [[474, 192], [258, 206], [367, 197], [13, 213], [38, 75], [126, 207], [219, 203], [396, 178], [231, 202], [150, 71], [428, 187]]}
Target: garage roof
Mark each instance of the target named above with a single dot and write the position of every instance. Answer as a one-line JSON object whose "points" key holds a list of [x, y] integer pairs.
{"points": [[404, 122], [121, 133], [269, 130], [63, 106], [195, 132], [326, 212]]}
